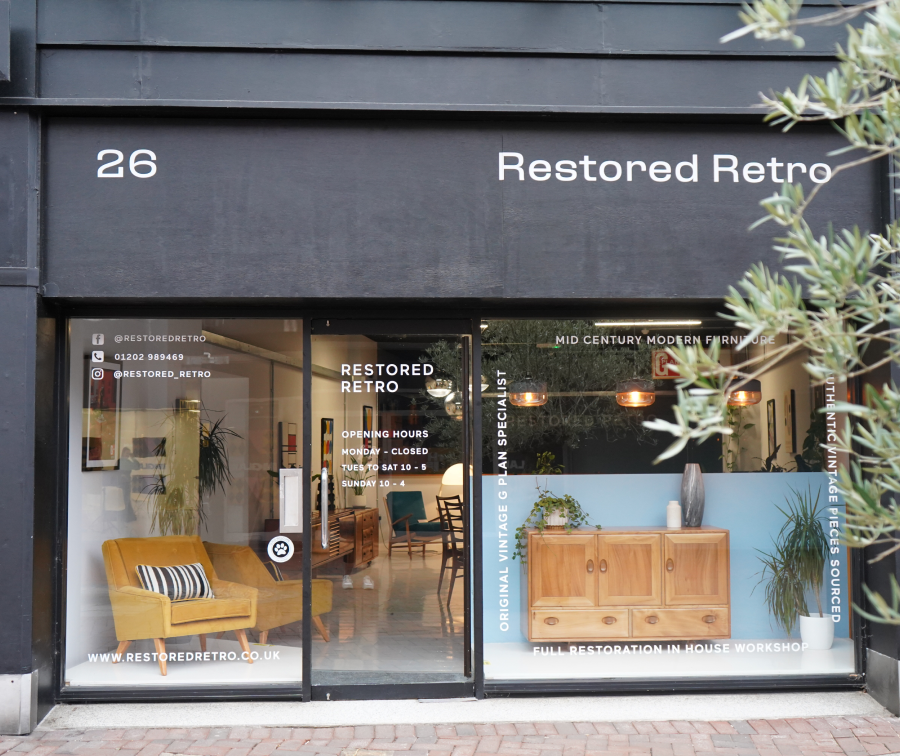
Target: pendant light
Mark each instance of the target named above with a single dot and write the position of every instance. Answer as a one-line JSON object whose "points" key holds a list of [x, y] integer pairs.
{"points": [[439, 387], [635, 392], [749, 393], [453, 406], [528, 392]]}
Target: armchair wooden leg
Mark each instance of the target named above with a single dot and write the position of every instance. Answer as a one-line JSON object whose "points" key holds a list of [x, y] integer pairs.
{"points": [[203, 642], [160, 651], [219, 636], [320, 626], [123, 647], [264, 637], [242, 639]]}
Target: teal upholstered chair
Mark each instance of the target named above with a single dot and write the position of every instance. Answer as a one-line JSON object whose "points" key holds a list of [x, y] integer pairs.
{"points": [[409, 524]]}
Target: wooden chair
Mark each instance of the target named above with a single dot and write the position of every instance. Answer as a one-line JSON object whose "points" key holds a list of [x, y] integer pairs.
{"points": [[409, 528], [454, 513], [447, 546]]}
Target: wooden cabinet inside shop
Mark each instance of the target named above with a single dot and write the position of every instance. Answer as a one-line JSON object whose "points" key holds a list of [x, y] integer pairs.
{"points": [[642, 583], [352, 535]]}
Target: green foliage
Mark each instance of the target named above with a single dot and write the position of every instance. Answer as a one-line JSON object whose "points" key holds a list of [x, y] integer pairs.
{"points": [[796, 564], [356, 478], [734, 416], [838, 301], [191, 466], [546, 505], [545, 464]]}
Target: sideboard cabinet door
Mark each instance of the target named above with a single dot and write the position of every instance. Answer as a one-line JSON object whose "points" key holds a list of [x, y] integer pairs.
{"points": [[629, 570], [695, 569], [562, 570]]}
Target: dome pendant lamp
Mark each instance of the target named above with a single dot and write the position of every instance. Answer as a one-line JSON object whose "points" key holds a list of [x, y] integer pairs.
{"points": [[528, 392], [635, 393], [748, 394]]}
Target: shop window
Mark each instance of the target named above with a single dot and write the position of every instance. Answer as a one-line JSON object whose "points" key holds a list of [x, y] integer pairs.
{"points": [[178, 429], [596, 584]]}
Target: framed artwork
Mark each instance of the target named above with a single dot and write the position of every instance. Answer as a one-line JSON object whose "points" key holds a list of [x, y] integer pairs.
{"points": [[790, 421], [328, 444], [102, 416], [770, 416], [368, 416]]}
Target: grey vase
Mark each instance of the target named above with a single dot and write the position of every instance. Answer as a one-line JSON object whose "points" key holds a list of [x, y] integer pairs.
{"points": [[693, 496]]}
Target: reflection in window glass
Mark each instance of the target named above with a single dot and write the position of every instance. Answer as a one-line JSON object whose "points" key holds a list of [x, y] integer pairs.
{"points": [[600, 563], [177, 431]]}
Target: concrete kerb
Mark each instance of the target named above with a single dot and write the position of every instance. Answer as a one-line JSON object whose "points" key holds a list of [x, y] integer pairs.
{"points": [[704, 707]]}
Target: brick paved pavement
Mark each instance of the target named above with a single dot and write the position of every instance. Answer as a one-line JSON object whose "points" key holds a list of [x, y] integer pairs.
{"points": [[854, 736]]}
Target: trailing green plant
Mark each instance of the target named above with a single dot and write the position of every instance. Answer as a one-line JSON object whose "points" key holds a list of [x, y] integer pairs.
{"points": [[734, 416], [796, 565], [547, 504]]}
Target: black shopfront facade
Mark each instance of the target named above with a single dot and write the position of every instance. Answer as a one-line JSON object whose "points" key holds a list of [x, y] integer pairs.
{"points": [[264, 261]]}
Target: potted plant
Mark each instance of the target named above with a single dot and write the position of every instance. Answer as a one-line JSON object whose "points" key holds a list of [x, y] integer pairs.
{"points": [[355, 479], [549, 511], [795, 568]]}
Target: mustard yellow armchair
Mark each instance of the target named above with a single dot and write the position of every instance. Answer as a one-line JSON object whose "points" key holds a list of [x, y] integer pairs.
{"points": [[139, 614], [279, 602]]}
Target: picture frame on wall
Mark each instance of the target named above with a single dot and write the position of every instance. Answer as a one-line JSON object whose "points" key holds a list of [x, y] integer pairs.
{"points": [[368, 420], [102, 416], [790, 422], [770, 417], [328, 444]]}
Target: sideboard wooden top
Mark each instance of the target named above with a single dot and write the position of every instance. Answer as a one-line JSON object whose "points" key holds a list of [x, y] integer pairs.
{"points": [[622, 529]]}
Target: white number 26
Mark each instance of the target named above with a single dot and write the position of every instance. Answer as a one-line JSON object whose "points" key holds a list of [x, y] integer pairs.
{"points": [[139, 168]]}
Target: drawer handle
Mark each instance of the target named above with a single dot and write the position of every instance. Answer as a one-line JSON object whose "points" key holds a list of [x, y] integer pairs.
{"points": [[602, 565], [652, 619], [709, 619], [551, 621], [609, 620], [670, 565], [590, 565]]}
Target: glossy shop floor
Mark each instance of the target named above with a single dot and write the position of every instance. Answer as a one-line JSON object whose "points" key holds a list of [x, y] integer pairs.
{"points": [[399, 631]]}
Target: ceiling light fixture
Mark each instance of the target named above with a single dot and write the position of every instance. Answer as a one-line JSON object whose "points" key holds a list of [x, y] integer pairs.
{"points": [[635, 393], [748, 394], [528, 392], [439, 387]]}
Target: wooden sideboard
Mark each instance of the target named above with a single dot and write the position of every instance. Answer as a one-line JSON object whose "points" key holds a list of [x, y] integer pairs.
{"points": [[352, 535], [643, 583]]}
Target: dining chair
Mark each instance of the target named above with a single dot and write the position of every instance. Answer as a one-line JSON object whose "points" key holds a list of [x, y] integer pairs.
{"points": [[455, 516]]}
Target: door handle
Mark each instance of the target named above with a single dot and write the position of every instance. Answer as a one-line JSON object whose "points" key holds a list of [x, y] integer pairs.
{"points": [[590, 565], [670, 565], [602, 565], [652, 619], [551, 621], [709, 619], [609, 620], [323, 506]]}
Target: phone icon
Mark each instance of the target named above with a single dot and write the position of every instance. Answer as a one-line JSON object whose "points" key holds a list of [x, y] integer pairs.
{"points": [[97, 355]]}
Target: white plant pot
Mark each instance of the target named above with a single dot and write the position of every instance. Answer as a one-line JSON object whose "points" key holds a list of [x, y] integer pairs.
{"points": [[555, 520], [357, 501], [817, 632]]}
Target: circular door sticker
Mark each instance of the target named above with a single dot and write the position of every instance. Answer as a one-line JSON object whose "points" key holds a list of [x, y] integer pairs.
{"points": [[281, 548]]}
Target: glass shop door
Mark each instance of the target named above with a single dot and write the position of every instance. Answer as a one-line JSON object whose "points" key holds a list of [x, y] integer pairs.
{"points": [[390, 497]]}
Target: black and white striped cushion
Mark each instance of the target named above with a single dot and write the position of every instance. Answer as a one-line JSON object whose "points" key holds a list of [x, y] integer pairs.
{"points": [[181, 582]]}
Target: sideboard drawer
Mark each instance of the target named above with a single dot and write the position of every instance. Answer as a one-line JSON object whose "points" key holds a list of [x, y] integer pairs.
{"points": [[681, 623], [549, 624]]}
